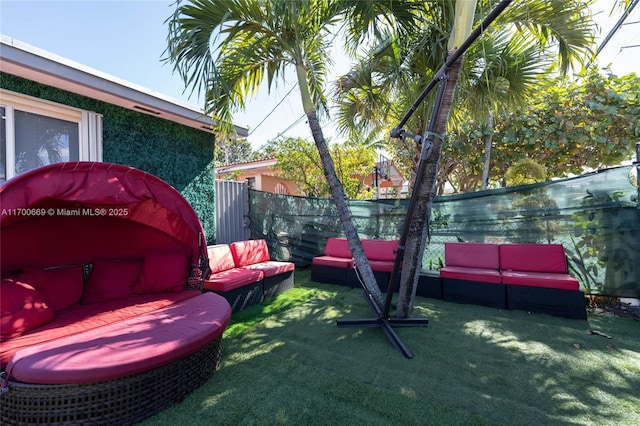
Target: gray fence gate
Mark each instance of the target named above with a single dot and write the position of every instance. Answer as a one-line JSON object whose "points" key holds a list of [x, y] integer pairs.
{"points": [[232, 211]]}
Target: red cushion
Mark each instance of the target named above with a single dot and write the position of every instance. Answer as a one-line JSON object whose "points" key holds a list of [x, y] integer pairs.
{"points": [[472, 255], [338, 247], [127, 347], [48, 241], [540, 279], [163, 272], [380, 249], [232, 279], [381, 266], [272, 267], [60, 287], [86, 317], [471, 274], [338, 262], [21, 307], [533, 258], [249, 252], [111, 279], [220, 258]]}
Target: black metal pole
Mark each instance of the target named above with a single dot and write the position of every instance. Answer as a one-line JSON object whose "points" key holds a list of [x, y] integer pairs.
{"points": [[477, 32], [427, 144]]}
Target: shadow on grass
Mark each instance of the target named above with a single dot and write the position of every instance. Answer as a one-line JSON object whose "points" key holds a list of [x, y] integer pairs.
{"points": [[472, 365]]}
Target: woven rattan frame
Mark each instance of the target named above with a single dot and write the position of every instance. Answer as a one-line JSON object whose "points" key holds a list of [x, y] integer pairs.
{"points": [[122, 401]]}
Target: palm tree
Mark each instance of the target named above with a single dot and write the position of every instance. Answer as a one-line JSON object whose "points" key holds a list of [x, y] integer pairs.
{"points": [[229, 48], [498, 72]]}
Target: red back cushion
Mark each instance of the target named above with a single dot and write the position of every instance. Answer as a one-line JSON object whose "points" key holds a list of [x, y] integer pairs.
{"points": [[337, 247], [111, 279], [533, 258], [472, 255], [163, 272], [380, 249], [21, 307], [60, 287], [220, 258], [249, 252], [74, 240]]}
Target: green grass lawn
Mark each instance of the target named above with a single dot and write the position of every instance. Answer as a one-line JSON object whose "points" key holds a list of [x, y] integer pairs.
{"points": [[286, 362]]}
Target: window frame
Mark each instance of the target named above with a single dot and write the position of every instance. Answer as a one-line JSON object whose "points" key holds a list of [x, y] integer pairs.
{"points": [[89, 125]]}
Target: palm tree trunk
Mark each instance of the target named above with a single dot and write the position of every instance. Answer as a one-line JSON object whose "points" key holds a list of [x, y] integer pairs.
{"points": [[419, 223], [340, 198], [337, 192]]}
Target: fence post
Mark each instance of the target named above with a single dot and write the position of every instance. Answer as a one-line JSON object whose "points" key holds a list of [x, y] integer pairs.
{"points": [[637, 164]]}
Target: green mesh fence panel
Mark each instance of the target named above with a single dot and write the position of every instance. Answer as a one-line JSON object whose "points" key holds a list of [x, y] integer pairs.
{"points": [[595, 217]]}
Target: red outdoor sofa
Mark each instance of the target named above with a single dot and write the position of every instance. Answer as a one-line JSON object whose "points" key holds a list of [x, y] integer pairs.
{"points": [[336, 265], [531, 277], [244, 274], [103, 317]]}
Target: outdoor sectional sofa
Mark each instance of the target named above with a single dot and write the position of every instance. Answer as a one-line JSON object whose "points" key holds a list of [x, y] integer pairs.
{"points": [[531, 277], [103, 320], [244, 274], [336, 265]]}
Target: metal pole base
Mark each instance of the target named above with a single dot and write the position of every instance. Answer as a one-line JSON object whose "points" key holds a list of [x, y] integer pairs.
{"points": [[386, 323]]}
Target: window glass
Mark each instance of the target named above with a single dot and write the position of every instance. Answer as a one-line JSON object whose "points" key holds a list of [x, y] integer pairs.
{"points": [[42, 140]]}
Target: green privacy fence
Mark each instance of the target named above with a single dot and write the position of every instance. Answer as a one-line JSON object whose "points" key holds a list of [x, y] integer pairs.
{"points": [[595, 217]]}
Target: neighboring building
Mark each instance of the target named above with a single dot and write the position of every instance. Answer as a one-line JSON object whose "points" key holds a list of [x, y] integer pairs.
{"points": [[387, 178], [54, 109], [261, 175]]}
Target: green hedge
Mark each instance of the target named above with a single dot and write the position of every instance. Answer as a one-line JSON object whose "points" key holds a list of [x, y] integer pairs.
{"points": [[180, 155]]}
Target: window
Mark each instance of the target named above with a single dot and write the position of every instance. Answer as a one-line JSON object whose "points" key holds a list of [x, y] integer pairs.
{"points": [[251, 183], [281, 189], [34, 133]]}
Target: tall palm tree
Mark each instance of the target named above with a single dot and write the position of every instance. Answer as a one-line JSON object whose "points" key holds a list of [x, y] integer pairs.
{"points": [[229, 48], [498, 72]]}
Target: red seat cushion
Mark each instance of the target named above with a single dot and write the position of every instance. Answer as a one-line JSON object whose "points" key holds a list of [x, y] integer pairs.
{"points": [[21, 308], [472, 255], [60, 287], [87, 317], [533, 258], [338, 262], [249, 252], [127, 347], [471, 274], [272, 267], [232, 279], [540, 279], [111, 279], [381, 266]]}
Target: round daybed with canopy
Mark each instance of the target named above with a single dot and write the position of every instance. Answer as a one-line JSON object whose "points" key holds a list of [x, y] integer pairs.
{"points": [[103, 317]]}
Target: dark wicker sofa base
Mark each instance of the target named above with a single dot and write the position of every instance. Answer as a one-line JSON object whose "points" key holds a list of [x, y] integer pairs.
{"points": [[122, 401]]}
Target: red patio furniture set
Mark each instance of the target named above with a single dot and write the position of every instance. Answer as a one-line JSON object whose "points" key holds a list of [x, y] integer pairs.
{"points": [[531, 277]]}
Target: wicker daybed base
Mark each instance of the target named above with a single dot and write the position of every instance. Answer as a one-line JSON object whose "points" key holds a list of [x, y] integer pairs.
{"points": [[122, 401]]}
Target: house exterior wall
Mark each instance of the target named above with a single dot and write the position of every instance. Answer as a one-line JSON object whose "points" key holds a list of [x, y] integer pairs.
{"points": [[263, 180], [180, 155]]}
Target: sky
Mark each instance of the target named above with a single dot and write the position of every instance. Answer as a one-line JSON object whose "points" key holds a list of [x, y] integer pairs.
{"points": [[126, 39]]}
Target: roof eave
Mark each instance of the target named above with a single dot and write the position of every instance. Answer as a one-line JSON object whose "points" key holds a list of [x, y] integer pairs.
{"points": [[38, 65]]}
